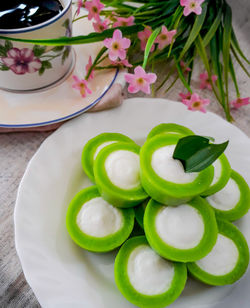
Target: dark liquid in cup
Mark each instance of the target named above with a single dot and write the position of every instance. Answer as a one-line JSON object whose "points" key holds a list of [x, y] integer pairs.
{"points": [[16, 14]]}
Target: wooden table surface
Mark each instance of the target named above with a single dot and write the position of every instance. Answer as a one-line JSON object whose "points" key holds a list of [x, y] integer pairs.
{"points": [[16, 149]]}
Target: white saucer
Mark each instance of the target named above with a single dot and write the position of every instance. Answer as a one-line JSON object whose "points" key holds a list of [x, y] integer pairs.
{"points": [[62, 102], [62, 274]]}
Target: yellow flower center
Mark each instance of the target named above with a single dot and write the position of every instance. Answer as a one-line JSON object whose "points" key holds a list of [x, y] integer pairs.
{"points": [[192, 5], [82, 88], [196, 104], [163, 37], [95, 9], [124, 23], [140, 81], [115, 46]]}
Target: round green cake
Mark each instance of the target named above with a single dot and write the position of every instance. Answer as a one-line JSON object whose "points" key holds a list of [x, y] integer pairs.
{"points": [[228, 260], [144, 278], [93, 147], [139, 212], [96, 225], [164, 178], [169, 128], [222, 172], [233, 201], [183, 233], [117, 174]]}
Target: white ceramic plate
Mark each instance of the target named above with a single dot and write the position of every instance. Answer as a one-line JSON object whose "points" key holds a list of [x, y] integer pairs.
{"points": [[60, 103], [60, 273]]}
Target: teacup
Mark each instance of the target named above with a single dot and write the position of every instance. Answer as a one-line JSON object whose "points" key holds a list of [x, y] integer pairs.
{"points": [[26, 67]]}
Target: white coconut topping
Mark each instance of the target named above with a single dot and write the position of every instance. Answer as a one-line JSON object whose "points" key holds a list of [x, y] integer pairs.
{"points": [[101, 146], [98, 218], [217, 171], [123, 169], [227, 198], [181, 227], [170, 169], [149, 273], [222, 259]]}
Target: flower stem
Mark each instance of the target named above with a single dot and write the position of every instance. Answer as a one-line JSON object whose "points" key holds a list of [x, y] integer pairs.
{"points": [[99, 55]]}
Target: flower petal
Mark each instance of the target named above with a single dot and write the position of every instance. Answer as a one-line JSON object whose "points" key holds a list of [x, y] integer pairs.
{"points": [[34, 66], [117, 35]]}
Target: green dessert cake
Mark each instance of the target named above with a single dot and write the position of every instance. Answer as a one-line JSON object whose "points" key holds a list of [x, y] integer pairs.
{"points": [[222, 171], [233, 201], [96, 225], [169, 128], [93, 147], [164, 178], [139, 212], [183, 233], [146, 279], [227, 261], [117, 174]]}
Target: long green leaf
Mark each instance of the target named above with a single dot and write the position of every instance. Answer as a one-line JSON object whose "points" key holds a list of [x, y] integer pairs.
{"points": [[210, 34], [199, 20], [202, 52], [240, 62], [82, 39], [182, 77], [226, 49], [150, 43], [215, 54], [232, 72], [236, 46]]}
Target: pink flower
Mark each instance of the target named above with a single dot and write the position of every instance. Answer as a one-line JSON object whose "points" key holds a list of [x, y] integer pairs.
{"points": [[184, 67], [143, 36], [196, 103], [191, 6], [185, 96], [140, 80], [165, 38], [122, 63], [87, 67], [94, 7], [22, 61], [79, 5], [240, 102], [117, 45], [205, 82], [124, 22], [100, 26], [82, 86]]}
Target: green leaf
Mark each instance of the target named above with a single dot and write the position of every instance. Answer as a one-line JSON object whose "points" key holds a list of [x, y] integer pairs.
{"points": [[196, 153], [150, 43], [236, 46], [215, 54], [65, 54], [38, 50], [4, 68], [240, 62], [232, 73], [226, 49], [81, 39], [46, 64], [202, 52], [210, 34], [3, 51], [57, 48], [8, 45], [199, 20], [182, 77]]}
